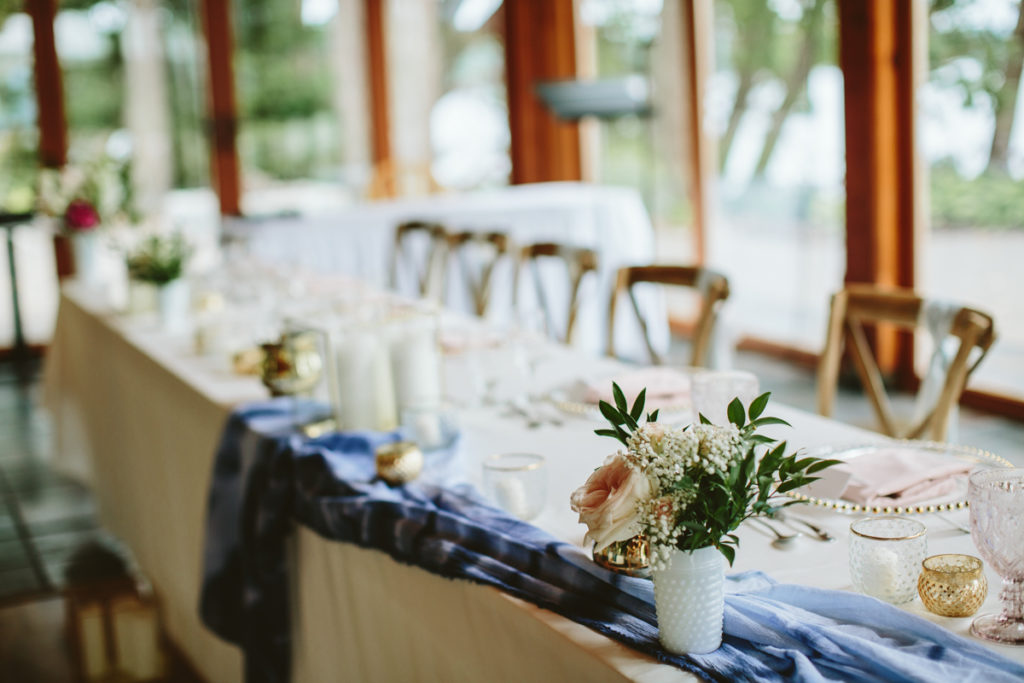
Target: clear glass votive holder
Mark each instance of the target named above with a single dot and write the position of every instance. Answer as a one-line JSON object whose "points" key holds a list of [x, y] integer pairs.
{"points": [[517, 482], [952, 585], [885, 557], [431, 427], [713, 390]]}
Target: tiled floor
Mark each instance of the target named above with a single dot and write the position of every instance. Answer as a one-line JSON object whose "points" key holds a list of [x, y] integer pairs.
{"points": [[43, 516]]}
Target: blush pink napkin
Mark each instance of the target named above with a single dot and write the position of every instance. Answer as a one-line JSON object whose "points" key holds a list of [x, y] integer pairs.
{"points": [[900, 476], [665, 387]]}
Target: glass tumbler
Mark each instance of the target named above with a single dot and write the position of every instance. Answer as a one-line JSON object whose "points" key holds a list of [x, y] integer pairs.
{"points": [[885, 557], [517, 482]]}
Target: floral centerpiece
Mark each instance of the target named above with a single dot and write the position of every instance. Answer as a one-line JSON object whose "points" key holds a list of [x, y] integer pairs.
{"points": [[85, 197], [159, 261], [81, 200], [687, 490]]}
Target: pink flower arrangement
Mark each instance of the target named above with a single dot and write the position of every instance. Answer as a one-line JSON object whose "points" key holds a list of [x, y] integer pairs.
{"points": [[81, 216], [607, 502]]}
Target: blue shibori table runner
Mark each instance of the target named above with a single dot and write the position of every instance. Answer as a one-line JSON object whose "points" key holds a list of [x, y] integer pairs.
{"points": [[266, 478]]}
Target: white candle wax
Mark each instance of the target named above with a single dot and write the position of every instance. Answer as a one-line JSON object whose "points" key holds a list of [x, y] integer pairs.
{"points": [[416, 364], [364, 384]]}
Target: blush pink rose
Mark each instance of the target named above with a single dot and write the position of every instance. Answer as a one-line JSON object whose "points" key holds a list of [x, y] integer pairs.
{"points": [[81, 215], [607, 502]]}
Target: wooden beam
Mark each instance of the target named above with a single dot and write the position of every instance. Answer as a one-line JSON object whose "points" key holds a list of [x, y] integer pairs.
{"points": [[53, 139], [222, 107], [540, 46], [376, 62], [697, 15], [876, 56]]}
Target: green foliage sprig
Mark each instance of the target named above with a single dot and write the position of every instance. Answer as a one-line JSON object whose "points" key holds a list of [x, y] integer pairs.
{"points": [[624, 420], [159, 260]]}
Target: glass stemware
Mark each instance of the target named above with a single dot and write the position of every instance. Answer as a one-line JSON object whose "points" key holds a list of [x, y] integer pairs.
{"points": [[996, 499]]}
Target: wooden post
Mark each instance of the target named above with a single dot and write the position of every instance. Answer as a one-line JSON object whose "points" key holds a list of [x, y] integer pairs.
{"points": [[697, 19], [53, 139], [376, 59], [539, 46], [875, 53], [222, 107]]}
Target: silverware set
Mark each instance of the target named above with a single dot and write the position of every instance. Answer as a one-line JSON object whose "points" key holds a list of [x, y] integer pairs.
{"points": [[795, 529]]}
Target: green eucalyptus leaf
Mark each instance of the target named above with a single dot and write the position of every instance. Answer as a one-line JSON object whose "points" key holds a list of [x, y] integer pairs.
{"points": [[704, 420], [758, 405], [638, 404], [610, 413], [620, 398], [653, 416], [763, 421], [736, 414], [822, 464]]}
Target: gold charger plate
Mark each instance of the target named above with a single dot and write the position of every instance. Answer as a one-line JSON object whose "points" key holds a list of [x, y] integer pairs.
{"points": [[954, 501]]}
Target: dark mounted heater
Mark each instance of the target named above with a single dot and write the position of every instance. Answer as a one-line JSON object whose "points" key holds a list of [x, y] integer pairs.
{"points": [[606, 99]]}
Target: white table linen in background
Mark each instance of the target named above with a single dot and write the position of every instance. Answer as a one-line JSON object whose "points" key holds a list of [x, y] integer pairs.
{"points": [[150, 415], [611, 220]]}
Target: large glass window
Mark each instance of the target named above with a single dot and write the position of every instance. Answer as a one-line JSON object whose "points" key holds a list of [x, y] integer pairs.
{"points": [[448, 97], [289, 109], [775, 108], [641, 42], [971, 121], [18, 163]]}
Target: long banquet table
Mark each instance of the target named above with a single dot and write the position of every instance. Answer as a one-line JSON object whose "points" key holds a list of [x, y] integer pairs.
{"points": [[147, 413]]}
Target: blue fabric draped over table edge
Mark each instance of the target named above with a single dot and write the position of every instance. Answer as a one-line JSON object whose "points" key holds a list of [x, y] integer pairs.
{"points": [[265, 477]]}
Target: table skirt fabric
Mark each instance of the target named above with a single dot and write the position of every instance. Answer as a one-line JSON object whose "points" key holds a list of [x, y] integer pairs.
{"points": [[266, 478]]}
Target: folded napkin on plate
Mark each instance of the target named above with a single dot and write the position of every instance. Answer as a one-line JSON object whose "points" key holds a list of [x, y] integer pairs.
{"points": [[266, 479], [665, 387], [896, 475]]}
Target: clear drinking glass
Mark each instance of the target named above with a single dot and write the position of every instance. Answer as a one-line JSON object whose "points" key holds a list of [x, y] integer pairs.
{"points": [[713, 390], [517, 482], [996, 498], [885, 557]]}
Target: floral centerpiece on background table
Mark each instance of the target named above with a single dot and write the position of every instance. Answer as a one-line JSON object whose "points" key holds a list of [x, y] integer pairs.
{"points": [[159, 261], [687, 490], [82, 200]]}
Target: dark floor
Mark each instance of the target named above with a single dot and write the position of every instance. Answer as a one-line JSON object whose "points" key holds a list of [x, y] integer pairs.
{"points": [[43, 516]]}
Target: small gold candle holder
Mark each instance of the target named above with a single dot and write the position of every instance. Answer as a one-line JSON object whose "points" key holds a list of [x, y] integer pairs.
{"points": [[952, 585], [399, 462], [630, 557]]}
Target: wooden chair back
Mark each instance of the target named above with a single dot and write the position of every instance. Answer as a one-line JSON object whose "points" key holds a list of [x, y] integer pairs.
{"points": [[858, 304], [429, 268], [467, 247], [392, 179], [578, 262], [714, 290]]}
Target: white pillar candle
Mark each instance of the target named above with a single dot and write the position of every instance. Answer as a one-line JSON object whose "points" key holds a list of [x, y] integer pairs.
{"points": [[416, 362], [364, 384], [511, 494]]}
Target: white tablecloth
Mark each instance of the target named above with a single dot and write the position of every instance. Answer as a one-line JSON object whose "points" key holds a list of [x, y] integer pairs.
{"points": [[611, 220], [148, 414]]}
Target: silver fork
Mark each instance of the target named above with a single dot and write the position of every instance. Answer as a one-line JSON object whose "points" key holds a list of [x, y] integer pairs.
{"points": [[790, 520]]}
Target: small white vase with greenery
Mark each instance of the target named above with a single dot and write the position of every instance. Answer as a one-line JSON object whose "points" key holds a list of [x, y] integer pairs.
{"points": [[160, 262]]}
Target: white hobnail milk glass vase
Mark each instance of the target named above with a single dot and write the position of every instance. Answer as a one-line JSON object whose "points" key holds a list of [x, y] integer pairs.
{"points": [[689, 594], [86, 248]]}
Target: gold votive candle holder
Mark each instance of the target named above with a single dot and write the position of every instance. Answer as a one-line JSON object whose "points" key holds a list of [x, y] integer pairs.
{"points": [[398, 462], [630, 557], [952, 585]]}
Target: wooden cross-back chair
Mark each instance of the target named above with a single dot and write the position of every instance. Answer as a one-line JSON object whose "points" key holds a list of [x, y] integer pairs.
{"points": [[858, 304], [712, 286], [429, 269], [578, 262], [477, 274]]}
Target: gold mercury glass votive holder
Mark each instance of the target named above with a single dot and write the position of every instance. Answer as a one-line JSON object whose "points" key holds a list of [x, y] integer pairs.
{"points": [[952, 585], [398, 462], [630, 557]]}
